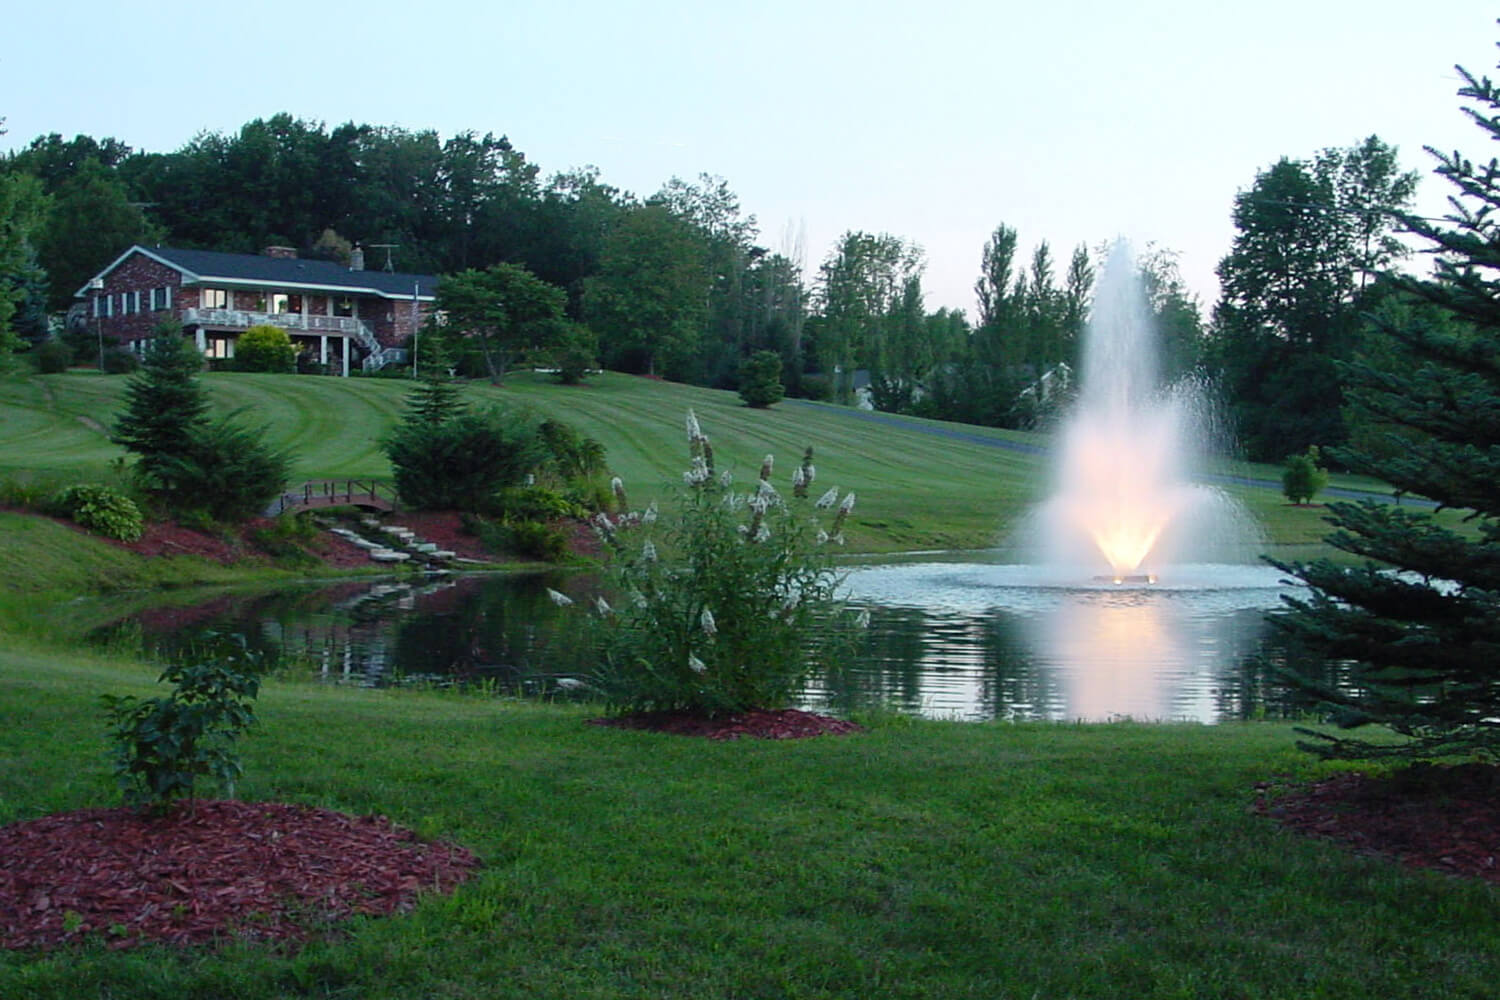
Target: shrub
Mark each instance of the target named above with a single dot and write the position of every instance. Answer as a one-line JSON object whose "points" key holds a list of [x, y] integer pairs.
{"points": [[537, 540], [816, 387], [1302, 478], [118, 361], [285, 539], [227, 471], [574, 353], [725, 604], [534, 503], [460, 463], [161, 746], [52, 356], [760, 379], [265, 349], [102, 510]]}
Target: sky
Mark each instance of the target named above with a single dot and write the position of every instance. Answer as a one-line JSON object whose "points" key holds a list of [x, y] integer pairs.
{"points": [[1074, 121]]}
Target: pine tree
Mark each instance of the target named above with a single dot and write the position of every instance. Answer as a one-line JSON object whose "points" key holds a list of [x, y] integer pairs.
{"points": [[163, 403], [1416, 628]]}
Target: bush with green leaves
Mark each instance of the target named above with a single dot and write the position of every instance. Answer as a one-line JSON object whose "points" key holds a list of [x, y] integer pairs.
{"points": [[724, 603], [100, 509], [119, 361], [52, 356], [760, 379], [162, 746], [265, 348], [1302, 478]]}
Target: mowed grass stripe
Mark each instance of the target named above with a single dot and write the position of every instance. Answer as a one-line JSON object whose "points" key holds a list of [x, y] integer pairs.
{"points": [[917, 490]]}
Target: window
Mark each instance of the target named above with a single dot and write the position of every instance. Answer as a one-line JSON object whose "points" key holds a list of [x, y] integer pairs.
{"points": [[135, 305], [98, 306], [220, 347], [283, 303], [214, 298], [161, 298]]}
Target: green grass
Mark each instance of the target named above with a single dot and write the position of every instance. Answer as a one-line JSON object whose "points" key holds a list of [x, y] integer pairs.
{"points": [[920, 859], [916, 490]]}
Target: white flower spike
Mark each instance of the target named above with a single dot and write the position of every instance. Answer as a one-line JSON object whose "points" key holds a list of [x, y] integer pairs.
{"points": [[828, 499], [707, 621], [696, 665], [560, 599]]}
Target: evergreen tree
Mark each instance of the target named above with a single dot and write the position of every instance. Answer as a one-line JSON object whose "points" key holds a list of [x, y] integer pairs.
{"points": [[760, 379], [1420, 648], [162, 403], [216, 467]]}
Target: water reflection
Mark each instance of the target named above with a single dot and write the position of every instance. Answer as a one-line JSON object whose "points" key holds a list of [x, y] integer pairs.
{"points": [[952, 640], [999, 642]]}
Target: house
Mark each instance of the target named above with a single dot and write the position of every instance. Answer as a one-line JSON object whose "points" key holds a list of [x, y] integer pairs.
{"points": [[335, 315]]}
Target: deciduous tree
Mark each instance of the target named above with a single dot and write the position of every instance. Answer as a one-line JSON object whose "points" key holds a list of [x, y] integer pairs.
{"points": [[507, 307]]}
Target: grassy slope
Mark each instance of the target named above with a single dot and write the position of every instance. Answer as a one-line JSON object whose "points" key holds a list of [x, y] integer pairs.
{"points": [[916, 491], [917, 860]]}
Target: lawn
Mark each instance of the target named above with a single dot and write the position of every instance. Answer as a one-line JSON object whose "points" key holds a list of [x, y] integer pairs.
{"points": [[917, 859], [943, 486]]}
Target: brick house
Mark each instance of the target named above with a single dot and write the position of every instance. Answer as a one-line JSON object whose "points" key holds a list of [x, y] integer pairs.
{"points": [[336, 316]]}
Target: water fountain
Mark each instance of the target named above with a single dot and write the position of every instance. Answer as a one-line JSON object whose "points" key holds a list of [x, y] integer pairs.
{"points": [[1124, 504], [1142, 586]]}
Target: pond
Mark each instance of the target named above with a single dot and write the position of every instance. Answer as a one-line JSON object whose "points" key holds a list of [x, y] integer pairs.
{"points": [[949, 637]]}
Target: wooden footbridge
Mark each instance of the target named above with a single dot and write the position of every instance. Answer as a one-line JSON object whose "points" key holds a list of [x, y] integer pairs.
{"points": [[367, 494]]}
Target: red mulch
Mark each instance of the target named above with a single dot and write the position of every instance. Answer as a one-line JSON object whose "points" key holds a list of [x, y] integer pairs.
{"points": [[785, 724], [1444, 818], [207, 870]]}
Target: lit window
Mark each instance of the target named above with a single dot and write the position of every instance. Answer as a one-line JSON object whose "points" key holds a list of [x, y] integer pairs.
{"points": [[214, 298]]}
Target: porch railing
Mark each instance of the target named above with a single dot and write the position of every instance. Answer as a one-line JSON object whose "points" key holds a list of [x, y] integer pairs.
{"points": [[241, 319]]}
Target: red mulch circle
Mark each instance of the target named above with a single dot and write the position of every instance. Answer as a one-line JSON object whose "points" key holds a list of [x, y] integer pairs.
{"points": [[1443, 818], [208, 870], [761, 724]]}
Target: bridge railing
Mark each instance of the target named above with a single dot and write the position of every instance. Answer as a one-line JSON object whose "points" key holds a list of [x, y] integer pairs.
{"points": [[337, 492]]}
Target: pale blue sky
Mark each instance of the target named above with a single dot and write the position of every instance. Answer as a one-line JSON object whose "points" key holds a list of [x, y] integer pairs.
{"points": [[1071, 121]]}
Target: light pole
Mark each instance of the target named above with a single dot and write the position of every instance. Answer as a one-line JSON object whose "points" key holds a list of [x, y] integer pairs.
{"points": [[96, 285]]}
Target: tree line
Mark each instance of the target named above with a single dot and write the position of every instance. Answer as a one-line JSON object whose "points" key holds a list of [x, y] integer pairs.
{"points": [[680, 284]]}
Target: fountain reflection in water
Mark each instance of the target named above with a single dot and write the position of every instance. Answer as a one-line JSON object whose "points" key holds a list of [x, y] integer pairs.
{"points": [[1142, 590]]}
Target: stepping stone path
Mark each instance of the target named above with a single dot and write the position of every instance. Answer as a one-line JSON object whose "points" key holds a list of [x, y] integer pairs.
{"points": [[411, 545]]}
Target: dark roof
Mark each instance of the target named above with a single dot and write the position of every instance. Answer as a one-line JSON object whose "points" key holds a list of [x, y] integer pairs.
{"points": [[205, 265]]}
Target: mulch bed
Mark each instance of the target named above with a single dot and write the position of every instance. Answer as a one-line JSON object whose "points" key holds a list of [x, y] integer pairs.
{"points": [[783, 724], [1443, 818], [209, 870]]}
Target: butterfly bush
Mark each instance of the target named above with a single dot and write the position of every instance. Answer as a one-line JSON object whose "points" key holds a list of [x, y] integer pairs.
{"points": [[726, 597]]}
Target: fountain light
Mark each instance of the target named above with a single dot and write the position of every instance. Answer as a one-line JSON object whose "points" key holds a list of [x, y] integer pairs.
{"points": [[1124, 497]]}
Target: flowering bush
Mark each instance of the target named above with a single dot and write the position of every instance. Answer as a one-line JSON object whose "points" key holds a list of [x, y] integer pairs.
{"points": [[725, 603]]}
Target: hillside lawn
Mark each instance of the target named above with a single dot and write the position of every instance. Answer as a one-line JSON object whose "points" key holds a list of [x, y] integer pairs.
{"points": [[916, 491], [916, 859]]}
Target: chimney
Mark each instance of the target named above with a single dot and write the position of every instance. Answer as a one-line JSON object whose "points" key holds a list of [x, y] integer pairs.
{"points": [[284, 253], [356, 259]]}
